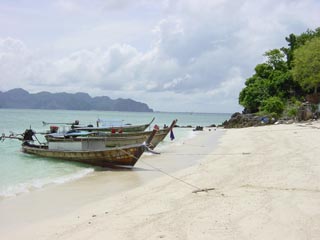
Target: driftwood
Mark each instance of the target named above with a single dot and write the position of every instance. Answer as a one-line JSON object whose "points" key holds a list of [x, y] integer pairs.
{"points": [[203, 190]]}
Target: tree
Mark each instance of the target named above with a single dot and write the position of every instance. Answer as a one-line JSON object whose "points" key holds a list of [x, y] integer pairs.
{"points": [[295, 42], [273, 85], [254, 94], [273, 106], [262, 84], [306, 65], [276, 59], [292, 42]]}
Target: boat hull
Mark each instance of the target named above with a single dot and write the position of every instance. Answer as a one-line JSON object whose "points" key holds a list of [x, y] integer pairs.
{"points": [[122, 156], [125, 128], [114, 139]]}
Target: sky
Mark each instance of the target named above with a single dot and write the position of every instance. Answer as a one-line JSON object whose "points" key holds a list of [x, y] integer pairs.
{"points": [[174, 55]]}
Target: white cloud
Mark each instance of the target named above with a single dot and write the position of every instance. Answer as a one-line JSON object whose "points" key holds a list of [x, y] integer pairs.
{"points": [[68, 6], [176, 82], [14, 55], [195, 54], [229, 87]]}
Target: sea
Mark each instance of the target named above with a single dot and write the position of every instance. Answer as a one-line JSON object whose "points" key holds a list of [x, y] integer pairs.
{"points": [[21, 173]]}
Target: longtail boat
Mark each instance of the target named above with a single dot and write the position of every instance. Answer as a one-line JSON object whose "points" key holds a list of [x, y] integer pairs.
{"points": [[116, 128], [109, 139], [85, 153]]}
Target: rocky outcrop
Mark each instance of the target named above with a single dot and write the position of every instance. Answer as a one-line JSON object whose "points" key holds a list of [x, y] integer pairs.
{"points": [[306, 112], [239, 120]]}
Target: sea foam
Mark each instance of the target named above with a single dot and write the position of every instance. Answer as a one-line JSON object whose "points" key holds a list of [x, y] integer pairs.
{"points": [[20, 188]]}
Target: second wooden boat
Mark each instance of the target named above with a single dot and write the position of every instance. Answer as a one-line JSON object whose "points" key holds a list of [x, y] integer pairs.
{"points": [[123, 128], [100, 139]]}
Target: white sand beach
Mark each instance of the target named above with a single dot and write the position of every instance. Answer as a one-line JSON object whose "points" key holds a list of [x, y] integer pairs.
{"points": [[263, 183]]}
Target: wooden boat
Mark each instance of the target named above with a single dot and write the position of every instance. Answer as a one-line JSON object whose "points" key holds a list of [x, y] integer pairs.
{"points": [[119, 156], [100, 139], [90, 154], [124, 128]]}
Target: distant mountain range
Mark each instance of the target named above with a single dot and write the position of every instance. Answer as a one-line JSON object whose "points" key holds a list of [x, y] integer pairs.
{"points": [[20, 98]]}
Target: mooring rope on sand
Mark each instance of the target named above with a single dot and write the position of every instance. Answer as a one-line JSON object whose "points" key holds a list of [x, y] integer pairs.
{"points": [[174, 177], [211, 154], [197, 189]]}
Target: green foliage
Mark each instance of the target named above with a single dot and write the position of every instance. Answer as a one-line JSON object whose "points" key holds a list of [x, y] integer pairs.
{"points": [[295, 42], [255, 92], [292, 112], [263, 70], [276, 60], [306, 65], [275, 81], [272, 106], [270, 79], [291, 108]]}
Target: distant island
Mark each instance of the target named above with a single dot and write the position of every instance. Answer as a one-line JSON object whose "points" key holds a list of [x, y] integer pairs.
{"points": [[21, 99]]}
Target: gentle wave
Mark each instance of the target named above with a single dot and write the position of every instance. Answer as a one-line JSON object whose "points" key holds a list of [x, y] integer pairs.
{"points": [[181, 135], [11, 191], [189, 135]]}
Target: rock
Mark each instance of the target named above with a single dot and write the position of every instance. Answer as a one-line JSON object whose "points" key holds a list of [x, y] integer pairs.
{"points": [[305, 112], [290, 121], [239, 120]]}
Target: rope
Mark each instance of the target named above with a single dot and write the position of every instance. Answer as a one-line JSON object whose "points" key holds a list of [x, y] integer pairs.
{"points": [[169, 175], [212, 154], [176, 178], [289, 129]]}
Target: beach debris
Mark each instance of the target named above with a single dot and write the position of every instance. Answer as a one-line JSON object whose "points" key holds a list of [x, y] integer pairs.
{"points": [[94, 215], [198, 128], [276, 188], [246, 153], [203, 190]]}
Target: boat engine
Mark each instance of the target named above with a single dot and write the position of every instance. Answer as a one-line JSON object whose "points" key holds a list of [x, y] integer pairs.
{"points": [[28, 135]]}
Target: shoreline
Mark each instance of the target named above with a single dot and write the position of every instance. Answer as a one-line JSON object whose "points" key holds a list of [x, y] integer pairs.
{"points": [[105, 183], [76, 170], [264, 183]]}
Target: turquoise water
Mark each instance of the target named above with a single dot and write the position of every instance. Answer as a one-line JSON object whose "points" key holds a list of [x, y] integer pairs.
{"points": [[21, 172]]}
